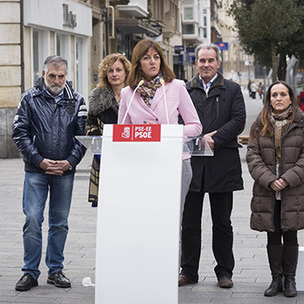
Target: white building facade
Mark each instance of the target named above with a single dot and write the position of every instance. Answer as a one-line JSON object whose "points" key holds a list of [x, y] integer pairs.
{"points": [[196, 22]]}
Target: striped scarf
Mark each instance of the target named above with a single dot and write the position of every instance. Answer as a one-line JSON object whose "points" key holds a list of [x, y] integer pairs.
{"points": [[280, 122]]}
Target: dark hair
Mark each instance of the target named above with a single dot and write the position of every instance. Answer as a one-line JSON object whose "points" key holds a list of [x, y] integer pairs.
{"points": [[105, 64], [209, 46], [267, 108], [139, 51], [56, 60]]}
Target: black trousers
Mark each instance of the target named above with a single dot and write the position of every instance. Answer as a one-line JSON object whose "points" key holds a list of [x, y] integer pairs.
{"points": [[222, 233], [289, 238]]}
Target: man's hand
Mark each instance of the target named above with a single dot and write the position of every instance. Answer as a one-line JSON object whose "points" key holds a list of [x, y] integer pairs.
{"points": [[209, 140], [54, 167], [279, 184]]}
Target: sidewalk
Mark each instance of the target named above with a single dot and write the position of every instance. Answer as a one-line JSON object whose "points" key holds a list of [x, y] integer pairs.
{"points": [[251, 274]]}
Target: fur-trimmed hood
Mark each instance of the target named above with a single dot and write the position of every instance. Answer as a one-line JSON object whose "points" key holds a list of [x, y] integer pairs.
{"points": [[101, 99]]}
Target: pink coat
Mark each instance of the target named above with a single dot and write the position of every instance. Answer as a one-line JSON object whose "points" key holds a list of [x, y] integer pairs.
{"points": [[178, 100]]}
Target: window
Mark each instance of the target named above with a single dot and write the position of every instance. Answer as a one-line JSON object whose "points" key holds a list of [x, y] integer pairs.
{"points": [[205, 32], [40, 47], [81, 69], [78, 67], [188, 2], [188, 29], [188, 13], [63, 48]]}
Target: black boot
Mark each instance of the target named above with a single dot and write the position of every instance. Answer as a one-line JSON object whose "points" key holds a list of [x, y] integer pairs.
{"points": [[290, 261], [275, 264]]}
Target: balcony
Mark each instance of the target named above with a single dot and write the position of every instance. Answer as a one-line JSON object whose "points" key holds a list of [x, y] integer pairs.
{"points": [[137, 9]]}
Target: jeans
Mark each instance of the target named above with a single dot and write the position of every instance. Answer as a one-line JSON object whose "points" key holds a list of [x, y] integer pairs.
{"points": [[35, 192]]}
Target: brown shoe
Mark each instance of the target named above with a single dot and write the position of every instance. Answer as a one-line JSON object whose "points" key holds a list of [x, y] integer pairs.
{"points": [[225, 282], [184, 280]]}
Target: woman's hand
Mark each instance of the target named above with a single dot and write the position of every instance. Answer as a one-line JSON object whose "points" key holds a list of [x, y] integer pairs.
{"points": [[279, 184]]}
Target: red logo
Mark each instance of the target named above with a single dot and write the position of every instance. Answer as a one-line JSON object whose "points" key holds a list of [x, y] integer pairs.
{"points": [[136, 132]]}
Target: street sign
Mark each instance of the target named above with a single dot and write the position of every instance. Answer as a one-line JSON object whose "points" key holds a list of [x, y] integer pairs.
{"points": [[222, 45]]}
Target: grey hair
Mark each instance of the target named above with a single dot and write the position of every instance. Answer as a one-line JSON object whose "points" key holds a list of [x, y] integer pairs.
{"points": [[208, 47], [56, 60]]}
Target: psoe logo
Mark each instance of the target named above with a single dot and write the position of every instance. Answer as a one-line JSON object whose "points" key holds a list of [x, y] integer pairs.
{"points": [[126, 133], [136, 132]]}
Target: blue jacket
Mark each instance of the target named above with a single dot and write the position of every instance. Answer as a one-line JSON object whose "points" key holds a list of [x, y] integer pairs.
{"points": [[43, 128]]}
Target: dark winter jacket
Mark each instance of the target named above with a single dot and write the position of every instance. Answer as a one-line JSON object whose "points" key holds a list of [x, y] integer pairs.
{"points": [[222, 110], [262, 167], [43, 128], [103, 109]]}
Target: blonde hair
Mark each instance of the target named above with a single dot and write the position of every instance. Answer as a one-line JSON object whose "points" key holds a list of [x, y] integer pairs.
{"points": [[104, 66]]}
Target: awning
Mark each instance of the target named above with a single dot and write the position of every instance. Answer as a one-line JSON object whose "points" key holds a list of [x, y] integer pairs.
{"points": [[136, 26]]}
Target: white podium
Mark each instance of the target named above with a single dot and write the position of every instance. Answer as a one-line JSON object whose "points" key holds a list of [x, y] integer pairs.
{"points": [[137, 246], [138, 219]]}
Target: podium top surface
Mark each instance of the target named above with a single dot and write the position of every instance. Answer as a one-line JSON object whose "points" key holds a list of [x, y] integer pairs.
{"points": [[195, 146]]}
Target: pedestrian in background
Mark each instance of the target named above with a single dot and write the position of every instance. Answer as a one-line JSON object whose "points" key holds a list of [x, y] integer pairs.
{"points": [[261, 90], [248, 87], [47, 119], [103, 107], [158, 98], [253, 89], [220, 105], [275, 158]]}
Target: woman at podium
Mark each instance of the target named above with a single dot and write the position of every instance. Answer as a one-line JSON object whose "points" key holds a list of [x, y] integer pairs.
{"points": [[154, 96], [103, 107]]}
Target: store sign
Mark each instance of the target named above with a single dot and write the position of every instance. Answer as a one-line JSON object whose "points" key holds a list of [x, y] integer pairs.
{"points": [[136, 132], [178, 49], [69, 19]]}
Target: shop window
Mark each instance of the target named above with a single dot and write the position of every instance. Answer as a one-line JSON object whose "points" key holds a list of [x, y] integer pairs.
{"points": [[63, 46], [81, 67], [40, 46]]}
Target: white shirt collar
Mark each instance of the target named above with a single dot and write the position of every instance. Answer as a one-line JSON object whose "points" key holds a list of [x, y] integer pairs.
{"points": [[207, 86]]}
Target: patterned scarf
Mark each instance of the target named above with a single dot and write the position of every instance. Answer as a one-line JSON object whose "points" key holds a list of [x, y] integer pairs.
{"points": [[148, 88], [280, 122]]}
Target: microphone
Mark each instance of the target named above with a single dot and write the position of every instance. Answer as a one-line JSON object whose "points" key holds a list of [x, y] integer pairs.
{"points": [[129, 105], [165, 97]]}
